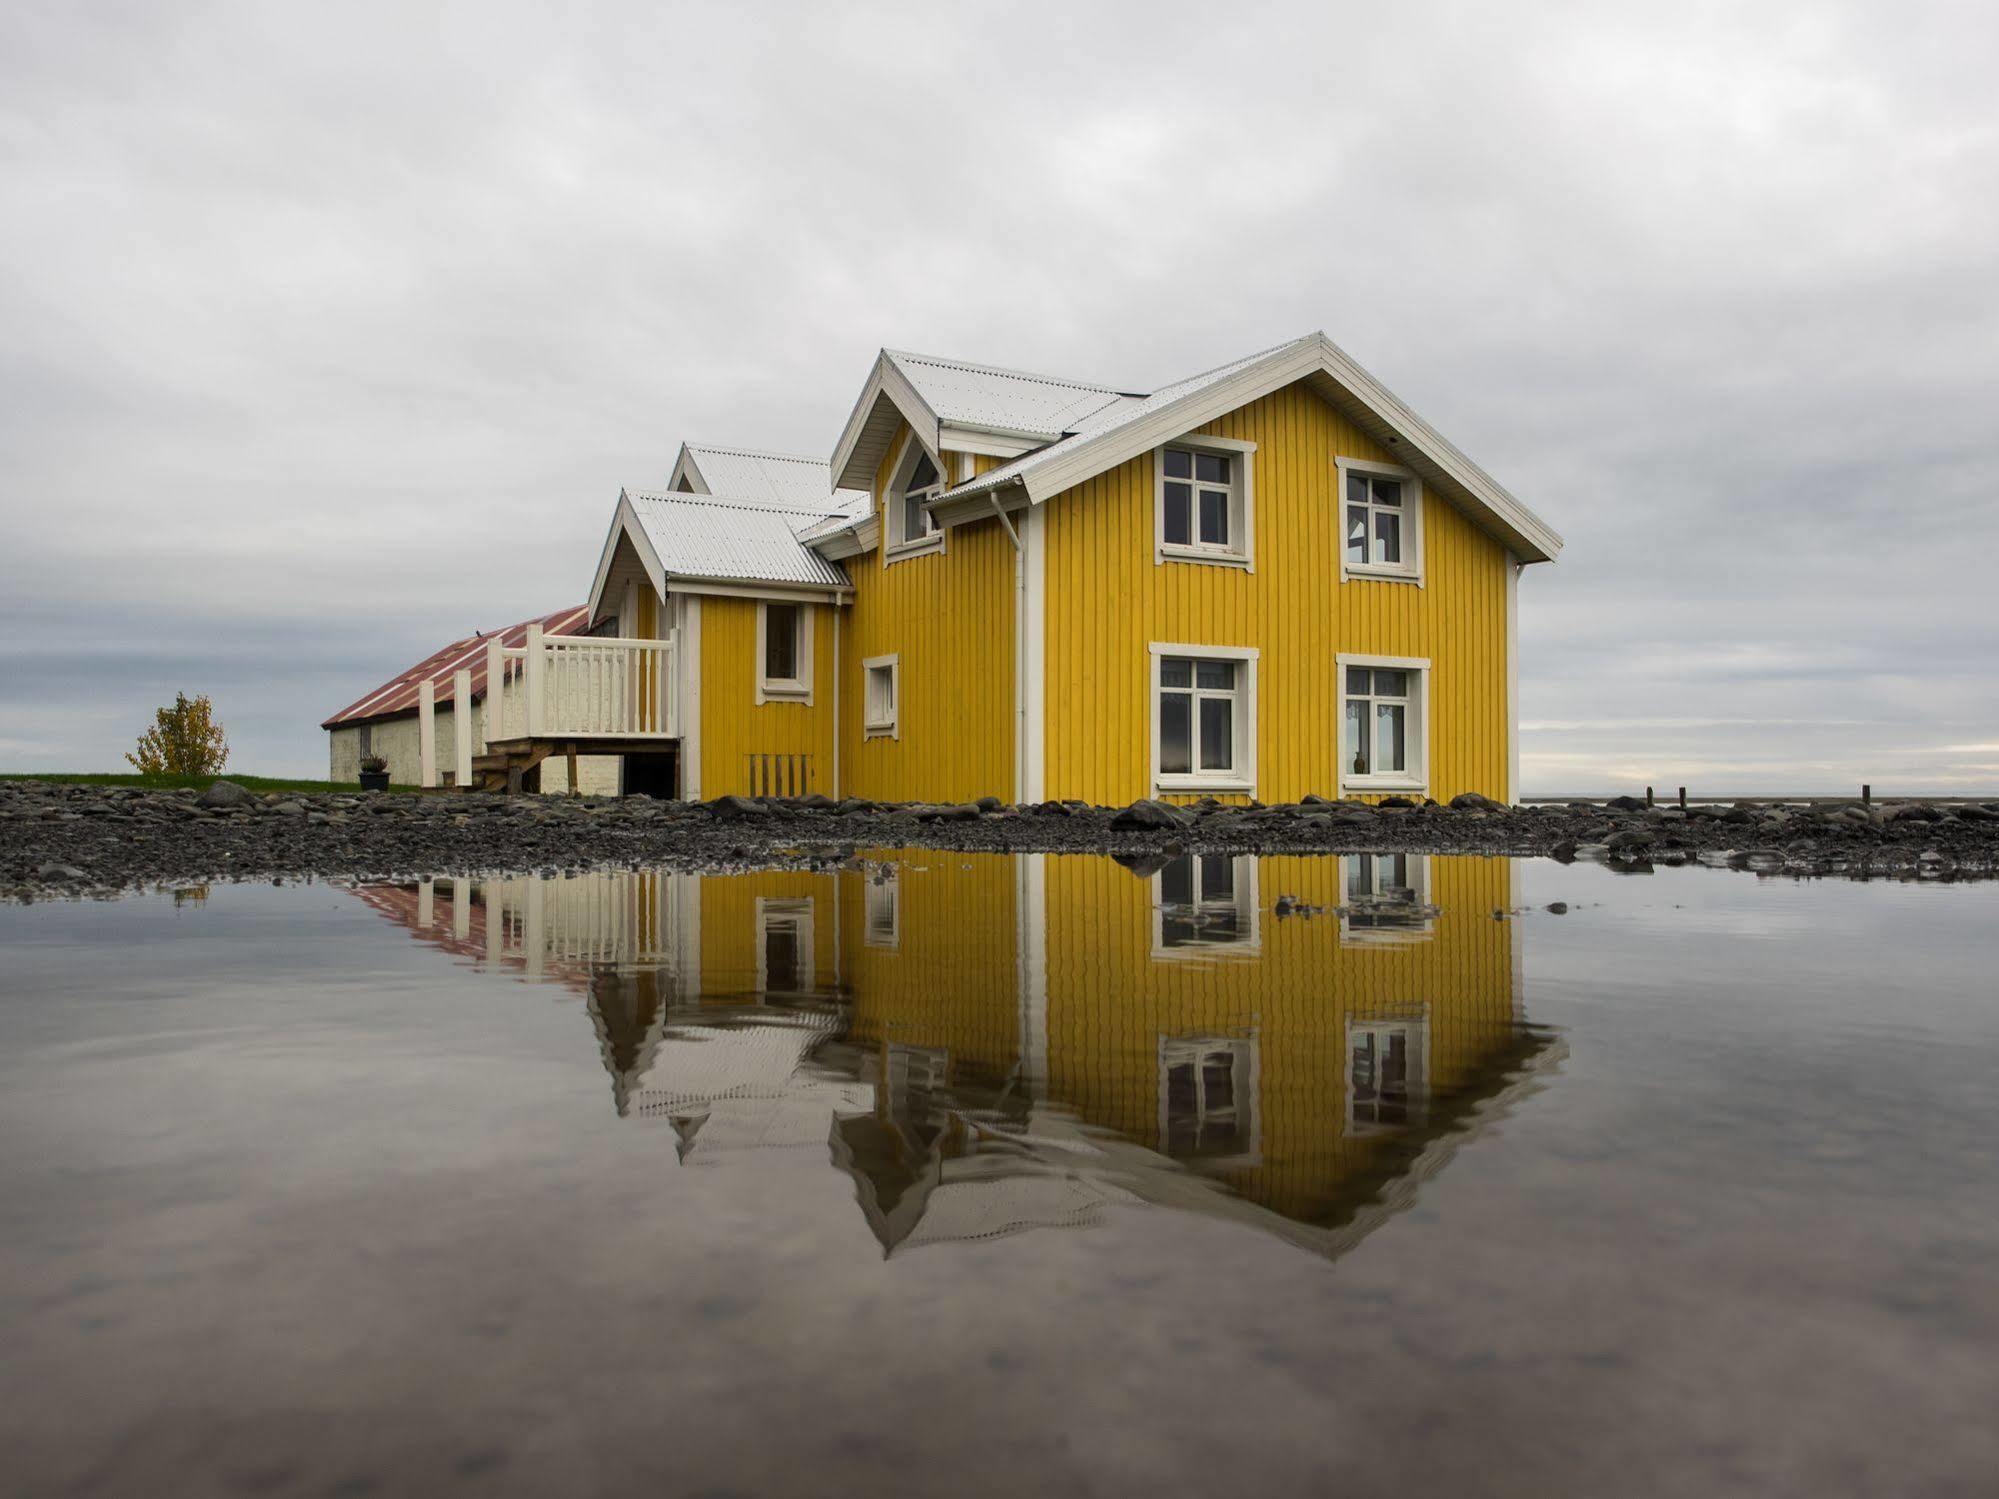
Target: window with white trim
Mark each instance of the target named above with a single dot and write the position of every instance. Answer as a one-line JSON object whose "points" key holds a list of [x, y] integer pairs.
{"points": [[881, 696], [1381, 520], [1203, 500], [1204, 712], [1207, 1098], [1387, 1077], [918, 481], [883, 906], [1382, 743], [784, 652], [1204, 902], [1387, 897]]}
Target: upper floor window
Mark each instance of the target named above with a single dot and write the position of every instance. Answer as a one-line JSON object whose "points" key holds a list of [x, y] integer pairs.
{"points": [[784, 653], [1383, 744], [1381, 509], [1207, 1099], [1204, 718], [1202, 501], [1387, 1075], [918, 481]]}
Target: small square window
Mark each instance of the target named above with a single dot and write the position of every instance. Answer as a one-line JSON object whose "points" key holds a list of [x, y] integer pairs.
{"points": [[881, 698]]}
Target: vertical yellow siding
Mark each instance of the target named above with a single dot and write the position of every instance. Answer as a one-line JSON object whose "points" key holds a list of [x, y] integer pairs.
{"points": [[729, 935], [1108, 600], [949, 615], [734, 725], [950, 982], [953, 984], [1111, 1001]]}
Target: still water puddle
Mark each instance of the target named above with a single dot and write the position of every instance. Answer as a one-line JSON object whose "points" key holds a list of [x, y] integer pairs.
{"points": [[981, 1174]]}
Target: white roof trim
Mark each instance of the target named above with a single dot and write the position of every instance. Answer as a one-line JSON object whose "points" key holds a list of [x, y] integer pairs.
{"points": [[1064, 465], [866, 437], [684, 467], [624, 522]]}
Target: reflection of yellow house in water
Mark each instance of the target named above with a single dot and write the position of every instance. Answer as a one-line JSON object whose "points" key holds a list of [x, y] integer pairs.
{"points": [[998, 1043]]}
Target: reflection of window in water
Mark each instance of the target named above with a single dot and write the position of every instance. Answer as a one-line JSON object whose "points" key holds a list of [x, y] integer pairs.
{"points": [[884, 906], [1207, 1098], [1386, 1081], [1387, 896], [784, 946], [1205, 901]]}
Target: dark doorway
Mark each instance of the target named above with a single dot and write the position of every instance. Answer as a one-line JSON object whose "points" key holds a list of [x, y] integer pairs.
{"points": [[652, 775]]}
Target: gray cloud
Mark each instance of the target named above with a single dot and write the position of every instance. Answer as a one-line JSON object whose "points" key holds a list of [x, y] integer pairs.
{"points": [[331, 335]]}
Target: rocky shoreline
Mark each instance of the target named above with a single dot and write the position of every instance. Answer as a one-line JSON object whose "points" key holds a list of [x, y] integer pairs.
{"points": [[93, 840]]}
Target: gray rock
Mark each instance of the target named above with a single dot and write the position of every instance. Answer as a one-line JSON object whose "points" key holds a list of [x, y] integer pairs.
{"points": [[1471, 801], [225, 794], [1148, 814], [736, 808]]}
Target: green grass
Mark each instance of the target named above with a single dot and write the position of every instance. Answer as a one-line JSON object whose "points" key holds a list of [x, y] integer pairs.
{"points": [[168, 783]]}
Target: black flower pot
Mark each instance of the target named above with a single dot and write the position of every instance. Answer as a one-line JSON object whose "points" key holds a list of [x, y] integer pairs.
{"points": [[374, 780]]}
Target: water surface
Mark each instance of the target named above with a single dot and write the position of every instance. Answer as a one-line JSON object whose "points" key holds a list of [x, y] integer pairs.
{"points": [[1005, 1175]]}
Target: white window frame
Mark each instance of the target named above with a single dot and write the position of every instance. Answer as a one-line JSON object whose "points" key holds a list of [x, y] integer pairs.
{"points": [[798, 915], [1240, 781], [1247, 1063], [895, 547], [874, 726], [1416, 735], [1421, 922], [1247, 906], [780, 689], [1410, 569], [1241, 552], [881, 892], [1417, 1025]]}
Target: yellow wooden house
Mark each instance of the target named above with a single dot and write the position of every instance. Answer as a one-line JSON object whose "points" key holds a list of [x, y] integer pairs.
{"points": [[994, 1043], [1266, 580]]}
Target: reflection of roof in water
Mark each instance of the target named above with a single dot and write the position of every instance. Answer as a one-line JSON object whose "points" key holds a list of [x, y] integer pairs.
{"points": [[933, 1170]]}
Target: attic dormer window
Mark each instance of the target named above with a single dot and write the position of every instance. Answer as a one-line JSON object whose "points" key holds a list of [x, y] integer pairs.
{"points": [[918, 482]]}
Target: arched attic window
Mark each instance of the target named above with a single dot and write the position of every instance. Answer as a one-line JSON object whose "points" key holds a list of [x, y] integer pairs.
{"points": [[917, 482]]}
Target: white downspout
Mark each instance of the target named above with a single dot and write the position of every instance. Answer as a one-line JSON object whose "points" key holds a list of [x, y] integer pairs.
{"points": [[1019, 649]]}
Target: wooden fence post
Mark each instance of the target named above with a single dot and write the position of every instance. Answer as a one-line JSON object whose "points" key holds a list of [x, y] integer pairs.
{"points": [[426, 733], [1683, 798], [532, 680], [1648, 796], [1866, 796], [461, 723]]}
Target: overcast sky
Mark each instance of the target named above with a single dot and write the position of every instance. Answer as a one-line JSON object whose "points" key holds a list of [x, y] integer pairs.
{"points": [[328, 334]]}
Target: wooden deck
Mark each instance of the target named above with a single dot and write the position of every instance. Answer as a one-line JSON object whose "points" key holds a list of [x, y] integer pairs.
{"points": [[507, 761]]}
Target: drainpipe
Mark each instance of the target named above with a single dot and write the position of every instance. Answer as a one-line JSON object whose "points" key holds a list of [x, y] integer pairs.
{"points": [[1019, 648]]}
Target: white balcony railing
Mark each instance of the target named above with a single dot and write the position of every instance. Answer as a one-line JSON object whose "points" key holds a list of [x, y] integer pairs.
{"points": [[558, 687]]}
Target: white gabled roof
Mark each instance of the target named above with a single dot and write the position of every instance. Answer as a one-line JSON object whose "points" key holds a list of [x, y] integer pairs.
{"points": [[935, 395], [705, 538], [748, 541], [984, 397], [1120, 426], [749, 474]]}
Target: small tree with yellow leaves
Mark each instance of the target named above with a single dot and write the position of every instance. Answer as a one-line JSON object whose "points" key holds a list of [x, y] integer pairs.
{"points": [[186, 741]]}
